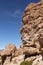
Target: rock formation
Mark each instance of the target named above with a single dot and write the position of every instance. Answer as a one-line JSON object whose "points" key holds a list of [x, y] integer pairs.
{"points": [[32, 26], [32, 39]]}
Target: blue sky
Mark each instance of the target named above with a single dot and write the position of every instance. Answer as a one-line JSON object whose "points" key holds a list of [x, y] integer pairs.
{"points": [[11, 12]]}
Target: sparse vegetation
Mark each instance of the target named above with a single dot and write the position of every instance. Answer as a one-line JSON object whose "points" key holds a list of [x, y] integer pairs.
{"points": [[26, 62]]}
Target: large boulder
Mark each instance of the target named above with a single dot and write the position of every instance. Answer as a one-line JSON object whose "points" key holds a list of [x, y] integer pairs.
{"points": [[30, 51], [38, 60], [17, 60], [9, 50], [27, 51]]}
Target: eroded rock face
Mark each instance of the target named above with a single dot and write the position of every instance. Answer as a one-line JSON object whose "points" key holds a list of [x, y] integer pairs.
{"points": [[32, 39], [17, 60], [32, 26], [38, 60], [8, 53], [9, 50]]}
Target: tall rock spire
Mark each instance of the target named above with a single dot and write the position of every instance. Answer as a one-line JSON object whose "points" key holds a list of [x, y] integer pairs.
{"points": [[32, 26]]}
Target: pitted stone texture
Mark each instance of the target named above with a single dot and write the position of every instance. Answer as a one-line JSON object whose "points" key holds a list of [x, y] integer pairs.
{"points": [[32, 26]]}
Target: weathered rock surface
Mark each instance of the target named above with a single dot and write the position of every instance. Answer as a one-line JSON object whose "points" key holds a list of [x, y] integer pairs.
{"points": [[7, 61], [32, 26], [38, 60], [9, 50], [32, 39], [17, 60]]}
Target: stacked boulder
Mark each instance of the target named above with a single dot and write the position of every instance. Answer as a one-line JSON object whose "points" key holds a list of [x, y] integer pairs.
{"points": [[7, 54]]}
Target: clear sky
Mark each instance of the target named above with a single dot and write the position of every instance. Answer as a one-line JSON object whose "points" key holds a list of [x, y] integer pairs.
{"points": [[11, 12]]}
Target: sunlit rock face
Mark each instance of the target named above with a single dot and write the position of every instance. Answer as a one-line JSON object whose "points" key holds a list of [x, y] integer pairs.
{"points": [[32, 39], [32, 25]]}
